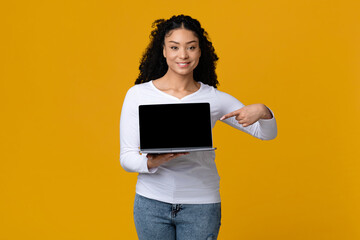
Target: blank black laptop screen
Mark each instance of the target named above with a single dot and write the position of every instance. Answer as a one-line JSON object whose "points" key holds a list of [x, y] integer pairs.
{"points": [[175, 125]]}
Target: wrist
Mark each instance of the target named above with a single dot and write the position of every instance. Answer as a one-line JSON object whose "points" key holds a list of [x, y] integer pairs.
{"points": [[149, 165], [266, 113], [149, 162]]}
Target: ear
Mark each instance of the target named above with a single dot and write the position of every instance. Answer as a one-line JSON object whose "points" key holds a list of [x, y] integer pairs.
{"points": [[164, 51]]}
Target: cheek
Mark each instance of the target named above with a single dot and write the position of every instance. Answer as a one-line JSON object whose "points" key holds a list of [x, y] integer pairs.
{"points": [[169, 60], [170, 57], [197, 55], [198, 58]]}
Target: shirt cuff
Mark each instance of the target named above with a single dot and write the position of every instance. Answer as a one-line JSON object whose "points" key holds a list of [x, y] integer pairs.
{"points": [[151, 170]]}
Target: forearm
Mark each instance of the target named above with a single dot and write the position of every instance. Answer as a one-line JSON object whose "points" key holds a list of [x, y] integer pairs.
{"points": [[133, 161], [130, 158]]}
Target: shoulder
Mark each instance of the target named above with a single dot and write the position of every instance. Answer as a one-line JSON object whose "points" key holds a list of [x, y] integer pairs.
{"points": [[134, 90], [210, 89], [223, 96], [141, 86], [215, 94], [207, 89], [142, 93], [227, 101]]}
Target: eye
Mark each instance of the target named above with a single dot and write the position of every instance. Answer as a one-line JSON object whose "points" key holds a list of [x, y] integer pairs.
{"points": [[192, 47], [174, 47]]}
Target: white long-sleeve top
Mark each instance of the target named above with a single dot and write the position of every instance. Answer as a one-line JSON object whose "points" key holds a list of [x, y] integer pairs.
{"points": [[188, 179]]}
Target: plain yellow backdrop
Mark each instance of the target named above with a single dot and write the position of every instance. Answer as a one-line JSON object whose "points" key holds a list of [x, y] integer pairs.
{"points": [[66, 66]]}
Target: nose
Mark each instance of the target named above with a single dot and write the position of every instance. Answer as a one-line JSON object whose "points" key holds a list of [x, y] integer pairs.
{"points": [[183, 53]]}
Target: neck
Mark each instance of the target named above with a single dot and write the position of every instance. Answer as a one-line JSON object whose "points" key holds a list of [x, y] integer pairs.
{"points": [[178, 81]]}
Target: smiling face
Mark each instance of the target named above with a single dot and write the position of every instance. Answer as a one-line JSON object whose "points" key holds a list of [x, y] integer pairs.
{"points": [[182, 51]]}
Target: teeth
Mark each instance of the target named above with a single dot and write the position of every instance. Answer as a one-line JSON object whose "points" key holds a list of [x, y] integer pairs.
{"points": [[182, 64]]}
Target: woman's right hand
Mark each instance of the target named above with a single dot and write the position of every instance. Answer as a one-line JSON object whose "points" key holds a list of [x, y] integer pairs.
{"points": [[155, 160]]}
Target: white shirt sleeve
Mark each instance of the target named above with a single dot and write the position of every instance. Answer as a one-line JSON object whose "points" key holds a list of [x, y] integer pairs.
{"points": [[130, 158], [264, 129]]}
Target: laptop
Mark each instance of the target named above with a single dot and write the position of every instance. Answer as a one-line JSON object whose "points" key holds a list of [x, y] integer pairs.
{"points": [[175, 128]]}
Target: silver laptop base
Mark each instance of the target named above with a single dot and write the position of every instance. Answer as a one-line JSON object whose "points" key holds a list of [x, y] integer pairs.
{"points": [[175, 150]]}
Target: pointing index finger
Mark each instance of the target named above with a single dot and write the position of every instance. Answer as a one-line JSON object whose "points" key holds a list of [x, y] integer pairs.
{"points": [[226, 116]]}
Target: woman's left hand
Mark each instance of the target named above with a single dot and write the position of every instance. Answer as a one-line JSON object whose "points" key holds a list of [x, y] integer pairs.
{"points": [[249, 114]]}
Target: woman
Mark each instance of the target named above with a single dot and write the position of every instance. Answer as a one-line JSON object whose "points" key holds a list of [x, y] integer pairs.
{"points": [[177, 195]]}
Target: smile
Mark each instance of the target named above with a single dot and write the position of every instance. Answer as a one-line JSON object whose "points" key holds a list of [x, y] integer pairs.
{"points": [[183, 64]]}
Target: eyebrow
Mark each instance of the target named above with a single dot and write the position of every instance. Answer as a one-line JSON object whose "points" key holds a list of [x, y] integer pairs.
{"points": [[186, 43]]}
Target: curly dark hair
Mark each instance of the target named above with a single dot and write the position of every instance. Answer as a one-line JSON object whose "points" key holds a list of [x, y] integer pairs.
{"points": [[153, 64]]}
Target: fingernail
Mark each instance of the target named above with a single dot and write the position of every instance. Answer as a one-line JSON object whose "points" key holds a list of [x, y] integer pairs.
{"points": [[222, 118]]}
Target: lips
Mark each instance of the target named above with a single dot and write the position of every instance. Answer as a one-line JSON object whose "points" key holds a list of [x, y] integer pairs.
{"points": [[183, 64]]}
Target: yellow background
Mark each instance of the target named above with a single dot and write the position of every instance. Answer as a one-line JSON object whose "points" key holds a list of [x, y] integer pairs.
{"points": [[66, 66]]}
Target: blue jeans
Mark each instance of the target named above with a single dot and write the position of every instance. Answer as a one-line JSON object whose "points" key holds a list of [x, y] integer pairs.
{"points": [[155, 220]]}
